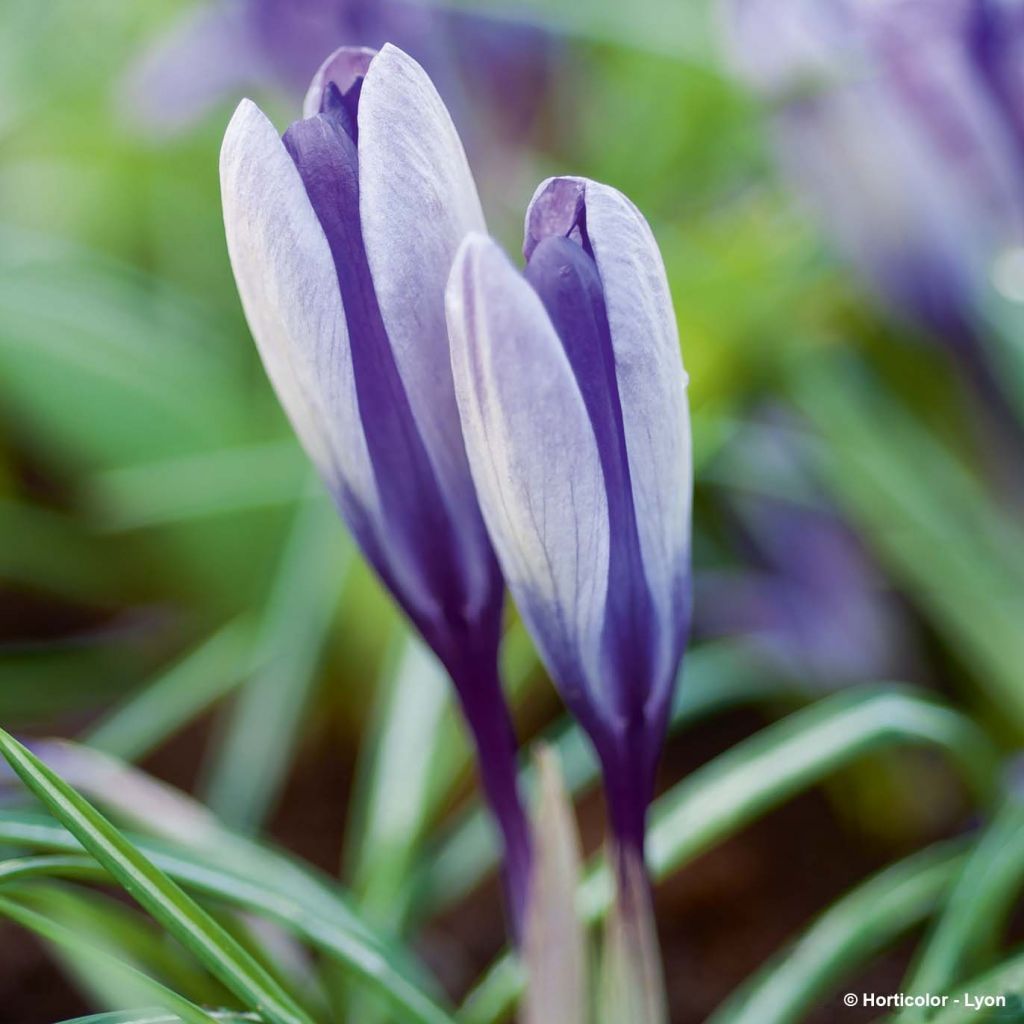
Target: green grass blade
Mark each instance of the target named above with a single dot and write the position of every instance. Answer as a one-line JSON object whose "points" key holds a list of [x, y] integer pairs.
{"points": [[797, 752], [856, 927], [160, 1017], [221, 481], [271, 889], [185, 1010], [167, 903], [104, 921], [394, 781], [267, 713], [24, 869], [934, 526], [977, 907], [176, 695]]}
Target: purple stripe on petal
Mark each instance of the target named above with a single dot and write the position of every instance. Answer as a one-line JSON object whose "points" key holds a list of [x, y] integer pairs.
{"points": [[536, 466], [420, 544], [565, 277], [342, 69]]}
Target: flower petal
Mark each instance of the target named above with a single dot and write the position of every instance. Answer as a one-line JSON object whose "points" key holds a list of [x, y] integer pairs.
{"points": [[535, 463], [342, 68], [418, 201], [651, 382], [289, 289]]}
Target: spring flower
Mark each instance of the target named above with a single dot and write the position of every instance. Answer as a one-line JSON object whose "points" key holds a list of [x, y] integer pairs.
{"points": [[808, 598], [901, 125], [572, 395], [224, 48], [341, 235]]}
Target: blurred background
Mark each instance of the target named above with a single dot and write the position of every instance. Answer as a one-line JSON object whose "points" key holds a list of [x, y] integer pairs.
{"points": [[841, 227]]}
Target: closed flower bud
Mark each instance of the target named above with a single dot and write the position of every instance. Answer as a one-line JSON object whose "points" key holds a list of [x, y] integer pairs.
{"points": [[572, 395], [341, 235]]}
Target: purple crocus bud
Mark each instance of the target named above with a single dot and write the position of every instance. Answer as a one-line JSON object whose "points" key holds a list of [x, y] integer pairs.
{"points": [[900, 124], [341, 235], [573, 401], [807, 596]]}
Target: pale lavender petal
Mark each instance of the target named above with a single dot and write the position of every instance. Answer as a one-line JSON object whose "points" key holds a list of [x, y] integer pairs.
{"points": [[418, 201], [651, 385], [535, 462], [289, 290], [342, 68]]}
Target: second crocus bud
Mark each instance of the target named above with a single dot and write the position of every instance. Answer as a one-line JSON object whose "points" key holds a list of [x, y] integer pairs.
{"points": [[341, 236], [572, 395]]}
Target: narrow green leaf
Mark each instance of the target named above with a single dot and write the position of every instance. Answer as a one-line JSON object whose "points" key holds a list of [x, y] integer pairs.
{"points": [[103, 921], [843, 938], [160, 1017], [394, 780], [935, 527], [268, 709], [177, 695], [270, 888], [186, 1011], [976, 909], [221, 481], [798, 752], [24, 869], [183, 918]]}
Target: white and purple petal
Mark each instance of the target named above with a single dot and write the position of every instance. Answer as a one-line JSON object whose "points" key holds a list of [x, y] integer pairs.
{"points": [[418, 201], [536, 464], [650, 385], [289, 290]]}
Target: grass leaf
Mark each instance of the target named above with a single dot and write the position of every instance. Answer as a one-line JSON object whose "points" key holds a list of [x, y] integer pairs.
{"points": [[862, 923], [167, 903], [186, 1011]]}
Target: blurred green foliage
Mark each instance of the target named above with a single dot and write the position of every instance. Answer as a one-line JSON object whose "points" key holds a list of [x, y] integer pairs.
{"points": [[164, 551]]}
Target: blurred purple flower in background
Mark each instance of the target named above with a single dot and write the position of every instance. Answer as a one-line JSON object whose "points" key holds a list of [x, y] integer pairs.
{"points": [[226, 48], [573, 402], [902, 124], [808, 597], [341, 236]]}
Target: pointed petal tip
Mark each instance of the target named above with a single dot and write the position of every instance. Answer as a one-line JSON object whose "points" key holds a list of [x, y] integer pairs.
{"points": [[249, 129], [553, 208], [633, 985], [555, 942], [342, 67]]}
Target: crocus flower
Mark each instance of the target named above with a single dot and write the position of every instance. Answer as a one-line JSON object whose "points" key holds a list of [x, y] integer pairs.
{"points": [[341, 235], [224, 48], [807, 596], [572, 395], [901, 125]]}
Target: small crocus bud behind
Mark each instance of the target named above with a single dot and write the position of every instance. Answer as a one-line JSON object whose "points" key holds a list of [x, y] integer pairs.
{"points": [[555, 940], [572, 395], [632, 979], [341, 235]]}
